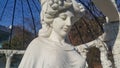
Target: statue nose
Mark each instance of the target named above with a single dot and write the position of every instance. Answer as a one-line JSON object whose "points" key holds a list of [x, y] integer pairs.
{"points": [[68, 22]]}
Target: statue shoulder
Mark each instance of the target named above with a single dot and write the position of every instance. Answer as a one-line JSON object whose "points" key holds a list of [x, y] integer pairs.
{"points": [[45, 46], [37, 42], [35, 45], [51, 55]]}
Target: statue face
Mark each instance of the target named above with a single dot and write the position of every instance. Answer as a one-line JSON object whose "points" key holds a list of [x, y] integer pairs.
{"points": [[62, 24]]}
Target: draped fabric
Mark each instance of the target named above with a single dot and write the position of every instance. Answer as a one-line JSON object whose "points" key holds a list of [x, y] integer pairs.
{"points": [[44, 53]]}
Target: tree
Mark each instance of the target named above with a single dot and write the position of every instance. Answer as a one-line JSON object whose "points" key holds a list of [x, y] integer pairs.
{"points": [[20, 39]]}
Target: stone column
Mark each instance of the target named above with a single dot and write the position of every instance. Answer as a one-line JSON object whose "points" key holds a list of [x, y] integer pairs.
{"points": [[116, 50], [9, 55], [8, 62], [116, 47]]}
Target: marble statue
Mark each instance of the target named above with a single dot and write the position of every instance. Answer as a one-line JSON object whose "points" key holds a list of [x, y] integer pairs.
{"points": [[49, 49]]}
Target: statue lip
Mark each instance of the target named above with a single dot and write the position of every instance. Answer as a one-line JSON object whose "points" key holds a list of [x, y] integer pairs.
{"points": [[66, 29]]}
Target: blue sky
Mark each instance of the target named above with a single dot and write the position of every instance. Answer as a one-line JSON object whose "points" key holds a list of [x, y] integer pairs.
{"points": [[6, 17]]}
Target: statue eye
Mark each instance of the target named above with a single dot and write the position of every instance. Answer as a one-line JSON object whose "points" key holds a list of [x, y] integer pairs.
{"points": [[63, 16]]}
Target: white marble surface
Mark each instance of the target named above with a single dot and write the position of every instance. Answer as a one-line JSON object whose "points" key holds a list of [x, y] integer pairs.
{"points": [[45, 53]]}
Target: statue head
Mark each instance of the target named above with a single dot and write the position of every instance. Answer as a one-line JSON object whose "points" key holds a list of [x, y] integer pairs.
{"points": [[52, 10]]}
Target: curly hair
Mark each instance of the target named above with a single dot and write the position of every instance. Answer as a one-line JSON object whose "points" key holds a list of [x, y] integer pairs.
{"points": [[52, 8]]}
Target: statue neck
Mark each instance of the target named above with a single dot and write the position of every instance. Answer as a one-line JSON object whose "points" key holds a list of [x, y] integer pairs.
{"points": [[56, 37]]}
